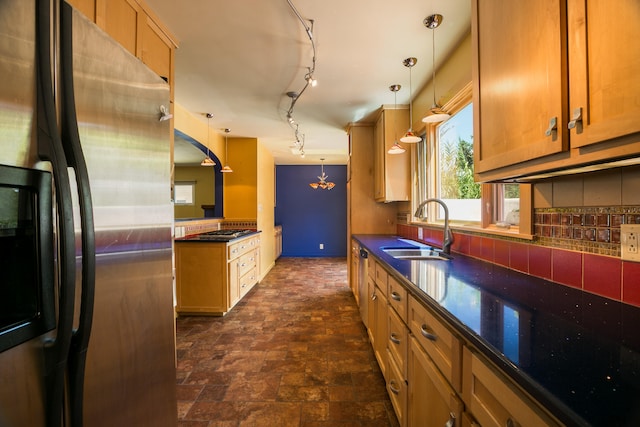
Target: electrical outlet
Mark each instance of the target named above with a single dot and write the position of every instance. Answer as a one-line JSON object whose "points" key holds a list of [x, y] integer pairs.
{"points": [[321, 245], [629, 238]]}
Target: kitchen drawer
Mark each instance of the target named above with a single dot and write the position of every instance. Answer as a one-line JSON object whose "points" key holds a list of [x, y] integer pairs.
{"points": [[397, 296], [242, 247], [398, 390], [494, 400], [248, 280], [398, 341], [246, 262], [382, 278], [444, 348]]}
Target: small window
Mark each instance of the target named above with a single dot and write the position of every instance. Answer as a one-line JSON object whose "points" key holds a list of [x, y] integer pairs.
{"points": [[456, 186], [184, 193]]}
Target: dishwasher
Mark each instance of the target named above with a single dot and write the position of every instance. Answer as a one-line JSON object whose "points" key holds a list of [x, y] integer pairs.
{"points": [[363, 298]]}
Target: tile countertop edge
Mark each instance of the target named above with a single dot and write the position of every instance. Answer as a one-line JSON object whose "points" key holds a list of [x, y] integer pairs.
{"points": [[556, 406]]}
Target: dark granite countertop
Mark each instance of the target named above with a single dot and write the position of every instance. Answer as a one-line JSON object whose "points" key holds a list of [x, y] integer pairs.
{"points": [[577, 353]]}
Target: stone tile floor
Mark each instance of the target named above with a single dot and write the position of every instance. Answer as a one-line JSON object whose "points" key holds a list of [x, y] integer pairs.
{"points": [[293, 352]]}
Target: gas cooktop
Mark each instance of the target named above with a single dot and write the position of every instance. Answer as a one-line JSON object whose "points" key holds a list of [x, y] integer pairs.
{"points": [[222, 234]]}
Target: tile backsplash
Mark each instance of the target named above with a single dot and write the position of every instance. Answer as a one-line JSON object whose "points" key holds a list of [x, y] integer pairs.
{"points": [[586, 229]]}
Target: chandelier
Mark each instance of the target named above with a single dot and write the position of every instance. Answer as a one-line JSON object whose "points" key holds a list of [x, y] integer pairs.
{"points": [[322, 184]]}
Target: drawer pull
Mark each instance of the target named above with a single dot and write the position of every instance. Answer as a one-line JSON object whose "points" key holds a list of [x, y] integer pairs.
{"points": [[428, 335], [374, 296], [510, 423], [396, 296], [394, 339], [394, 389]]}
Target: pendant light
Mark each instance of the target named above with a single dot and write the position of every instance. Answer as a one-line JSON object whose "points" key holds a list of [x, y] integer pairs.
{"points": [[207, 161], [396, 148], [436, 113], [226, 168], [410, 137], [322, 184]]}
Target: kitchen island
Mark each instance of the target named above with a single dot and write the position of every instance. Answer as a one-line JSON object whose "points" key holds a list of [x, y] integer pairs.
{"points": [[215, 270], [574, 357]]}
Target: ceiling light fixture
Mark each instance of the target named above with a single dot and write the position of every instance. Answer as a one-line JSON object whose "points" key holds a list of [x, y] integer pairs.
{"points": [[410, 137], [396, 148], [208, 161], [436, 113], [322, 184], [226, 168], [309, 79]]}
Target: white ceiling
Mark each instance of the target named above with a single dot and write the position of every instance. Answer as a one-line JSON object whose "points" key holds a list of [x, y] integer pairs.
{"points": [[238, 59]]}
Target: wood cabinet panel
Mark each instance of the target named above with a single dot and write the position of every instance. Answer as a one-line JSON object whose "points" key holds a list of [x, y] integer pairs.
{"points": [[156, 49], [397, 342], [398, 390], [211, 277], [398, 298], [432, 401], [495, 401], [520, 81], [438, 341], [391, 178], [121, 19], [603, 78], [552, 59]]}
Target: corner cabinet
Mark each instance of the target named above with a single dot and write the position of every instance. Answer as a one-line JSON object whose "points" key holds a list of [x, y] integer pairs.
{"points": [[391, 171], [552, 90], [211, 277]]}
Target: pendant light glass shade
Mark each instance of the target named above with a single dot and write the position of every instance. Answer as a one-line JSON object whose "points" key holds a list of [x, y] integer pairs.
{"points": [[208, 161], [396, 148], [436, 113], [322, 184], [226, 168], [410, 137]]}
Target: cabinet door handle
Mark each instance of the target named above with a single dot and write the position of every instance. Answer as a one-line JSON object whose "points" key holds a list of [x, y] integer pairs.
{"points": [[428, 335], [396, 296], [394, 389], [452, 420], [510, 423], [374, 296], [394, 338], [576, 118], [553, 125]]}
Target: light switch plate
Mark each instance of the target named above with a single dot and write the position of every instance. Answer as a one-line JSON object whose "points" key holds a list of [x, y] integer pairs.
{"points": [[629, 239]]}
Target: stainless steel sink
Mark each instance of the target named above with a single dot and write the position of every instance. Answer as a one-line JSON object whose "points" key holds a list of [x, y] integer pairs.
{"points": [[427, 253]]}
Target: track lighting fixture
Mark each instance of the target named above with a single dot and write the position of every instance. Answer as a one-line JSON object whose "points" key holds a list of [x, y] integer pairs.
{"points": [[309, 79]]}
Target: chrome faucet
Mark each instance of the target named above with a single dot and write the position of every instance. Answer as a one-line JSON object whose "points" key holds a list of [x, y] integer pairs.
{"points": [[448, 235]]}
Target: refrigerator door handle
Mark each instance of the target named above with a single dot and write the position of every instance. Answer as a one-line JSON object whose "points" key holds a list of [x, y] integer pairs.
{"points": [[76, 160], [50, 149]]}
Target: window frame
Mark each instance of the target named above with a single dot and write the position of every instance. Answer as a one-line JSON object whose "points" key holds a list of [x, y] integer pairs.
{"points": [[422, 189]]}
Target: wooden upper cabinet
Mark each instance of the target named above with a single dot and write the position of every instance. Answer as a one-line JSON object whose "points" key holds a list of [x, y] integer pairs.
{"points": [[391, 171], [121, 19], [540, 60], [520, 81], [604, 54], [156, 48]]}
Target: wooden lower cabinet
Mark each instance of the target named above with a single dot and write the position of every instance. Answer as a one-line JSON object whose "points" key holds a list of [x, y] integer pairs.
{"points": [[434, 377], [378, 325], [495, 401], [431, 399], [211, 277]]}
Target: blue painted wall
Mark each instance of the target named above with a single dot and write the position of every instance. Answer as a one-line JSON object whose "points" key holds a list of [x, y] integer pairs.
{"points": [[310, 217]]}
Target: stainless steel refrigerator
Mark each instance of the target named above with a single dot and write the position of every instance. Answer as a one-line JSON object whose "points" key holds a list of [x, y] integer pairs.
{"points": [[86, 299]]}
